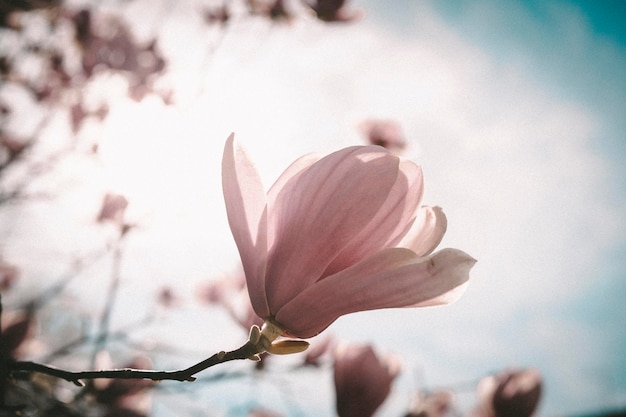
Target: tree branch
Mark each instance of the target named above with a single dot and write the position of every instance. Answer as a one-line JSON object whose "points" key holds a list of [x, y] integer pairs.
{"points": [[248, 351]]}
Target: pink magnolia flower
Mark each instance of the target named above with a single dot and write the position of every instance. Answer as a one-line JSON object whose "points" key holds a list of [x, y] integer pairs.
{"points": [[324, 241], [362, 380]]}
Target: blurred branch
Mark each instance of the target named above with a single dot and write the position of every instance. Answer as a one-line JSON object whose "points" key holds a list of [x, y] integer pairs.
{"points": [[118, 334], [103, 332], [19, 151], [78, 265]]}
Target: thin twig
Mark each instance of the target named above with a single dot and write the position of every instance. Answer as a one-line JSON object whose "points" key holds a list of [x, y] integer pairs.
{"points": [[103, 332], [115, 335], [78, 265]]}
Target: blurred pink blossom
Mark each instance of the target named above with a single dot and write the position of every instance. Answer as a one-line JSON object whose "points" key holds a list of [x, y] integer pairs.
{"points": [[11, 148], [8, 275], [333, 11], [106, 42], [510, 393], [385, 133], [324, 241], [113, 208], [220, 290], [319, 349], [220, 15], [167, 297], [15, 334], [362, 380], [230, 293], [273, 9], [261, 412]]}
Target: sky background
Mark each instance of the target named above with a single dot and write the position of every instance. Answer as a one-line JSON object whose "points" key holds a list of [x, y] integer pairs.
{"points": [[515, 110]]}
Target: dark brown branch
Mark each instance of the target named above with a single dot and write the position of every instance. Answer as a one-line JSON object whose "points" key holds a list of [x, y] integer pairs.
{"points": [[248, 351]]}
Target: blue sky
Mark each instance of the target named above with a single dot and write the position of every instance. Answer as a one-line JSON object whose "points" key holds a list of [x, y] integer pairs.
{"points": [[514, 110], [576, 48], [576, 51]]}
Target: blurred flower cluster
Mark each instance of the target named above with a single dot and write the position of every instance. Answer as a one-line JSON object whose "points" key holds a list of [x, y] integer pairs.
{"points": [[56, 58], [283, 10]]}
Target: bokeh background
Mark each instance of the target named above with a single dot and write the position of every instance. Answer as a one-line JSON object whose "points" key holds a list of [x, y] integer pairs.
{"points": [[515, 110]]}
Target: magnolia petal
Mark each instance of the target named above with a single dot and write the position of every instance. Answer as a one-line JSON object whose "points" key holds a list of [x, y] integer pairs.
{"points": [[390, 224], [393, 277], [246, 210], [449, 297], [319, 211], [427, 231], [294, 170]]}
